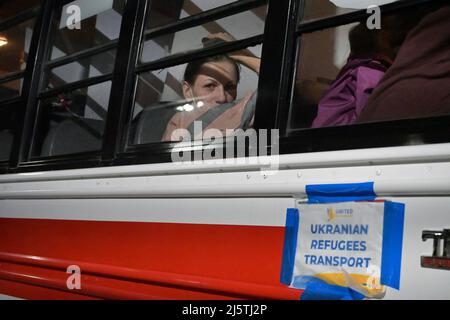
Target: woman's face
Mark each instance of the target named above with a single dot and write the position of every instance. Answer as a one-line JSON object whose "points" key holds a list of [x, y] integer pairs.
{"points": [[216, 83]]}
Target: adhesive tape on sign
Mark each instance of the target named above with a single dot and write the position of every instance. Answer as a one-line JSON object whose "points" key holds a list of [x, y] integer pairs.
{"points": [[360, 4]]}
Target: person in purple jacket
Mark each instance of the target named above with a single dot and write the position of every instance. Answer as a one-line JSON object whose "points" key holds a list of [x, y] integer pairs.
{"points": [[418, 83], [372, 53]]}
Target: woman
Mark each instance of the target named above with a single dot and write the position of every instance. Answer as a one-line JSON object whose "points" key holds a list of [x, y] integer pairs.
{"points": [[210, 85]]}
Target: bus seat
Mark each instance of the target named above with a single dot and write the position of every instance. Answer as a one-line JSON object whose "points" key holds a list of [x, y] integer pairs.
{"points": [[6, 141], [73, 136], [152, 124], [308, 94]]}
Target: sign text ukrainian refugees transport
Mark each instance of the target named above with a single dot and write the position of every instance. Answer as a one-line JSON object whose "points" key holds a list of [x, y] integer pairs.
{"points": [[338, 245]]}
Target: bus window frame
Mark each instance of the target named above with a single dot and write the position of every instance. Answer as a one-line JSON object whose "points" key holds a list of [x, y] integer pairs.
{"points": [[27, 162], [18, 101], [402, 132], [116, 148], [279, 61], [12, 22]]}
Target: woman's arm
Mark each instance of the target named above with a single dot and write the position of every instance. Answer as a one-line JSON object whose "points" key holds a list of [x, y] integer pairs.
{"points": [[244, 57], [250, 61]]}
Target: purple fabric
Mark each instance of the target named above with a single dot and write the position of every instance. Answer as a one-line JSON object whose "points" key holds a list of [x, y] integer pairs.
{"points": [[349, 93], [418, 83]]}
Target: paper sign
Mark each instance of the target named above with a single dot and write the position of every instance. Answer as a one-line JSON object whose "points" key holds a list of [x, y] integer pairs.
{"points": [[344, 245]]}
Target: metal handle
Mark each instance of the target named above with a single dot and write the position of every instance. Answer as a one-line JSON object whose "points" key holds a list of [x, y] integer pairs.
{"points": [[436, 236], [446, 237]]}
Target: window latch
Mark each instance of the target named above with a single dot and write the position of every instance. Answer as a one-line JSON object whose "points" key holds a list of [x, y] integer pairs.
{"points": [[440, 258]]}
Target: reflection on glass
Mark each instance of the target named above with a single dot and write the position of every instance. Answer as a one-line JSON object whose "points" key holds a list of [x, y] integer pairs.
{"points": [[100, 24], [321, 57], [343, 71], [72, 122], [164, 12], [318, 9], [240, 26], [15, 48], [418, 83], [10, 89], [93, 66], [12, 8], [219, 91]]}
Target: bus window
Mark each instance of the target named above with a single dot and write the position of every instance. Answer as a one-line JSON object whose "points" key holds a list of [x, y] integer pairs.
{"points": [[418, 83], [75, 89], [319, 9], [165, 12], [171, 98], [14, 47], [72, 122], [239, 26], [86, 50], [321, 57], [175, 97], [92, 66], [340, 70], [100, 24]]}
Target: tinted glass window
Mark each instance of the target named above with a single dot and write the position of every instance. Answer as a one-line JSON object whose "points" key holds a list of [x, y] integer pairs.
{"points": [[164, 12], [14, 47], [10, 89], [318, 9], [218, 92], [100, 23], [239, 26], [353, 74], [7, 121], [96, 65], [72, 122]]}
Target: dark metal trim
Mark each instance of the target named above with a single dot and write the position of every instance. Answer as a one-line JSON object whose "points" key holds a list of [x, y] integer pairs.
{"points": [[7, 102], [35, 160], [368, 135], [81, 55], [288, 73], [160, 152], [356, 16], [204, 17], [33, 73], [182, 58], [12, 76], [276, 60], [120, 108], [62, 3], [73, 161], [20, 18], [75, 85]]}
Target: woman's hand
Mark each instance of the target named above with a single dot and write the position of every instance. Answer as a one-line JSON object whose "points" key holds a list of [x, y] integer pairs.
{"points": [[222, 36]]}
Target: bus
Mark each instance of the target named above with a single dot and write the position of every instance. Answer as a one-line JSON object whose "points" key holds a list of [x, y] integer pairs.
{"points": [[96, 204]]}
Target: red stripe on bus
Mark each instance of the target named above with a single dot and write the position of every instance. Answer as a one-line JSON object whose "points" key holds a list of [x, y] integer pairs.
{"points": [[167, 260]]}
